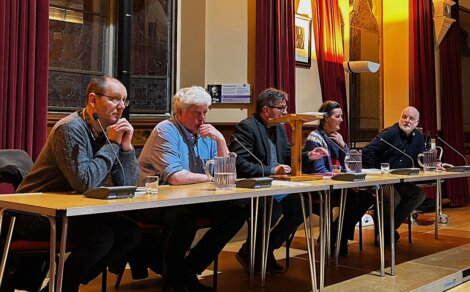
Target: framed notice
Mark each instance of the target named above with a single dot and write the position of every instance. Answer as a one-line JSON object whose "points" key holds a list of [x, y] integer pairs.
{"points": [[303, 34]]}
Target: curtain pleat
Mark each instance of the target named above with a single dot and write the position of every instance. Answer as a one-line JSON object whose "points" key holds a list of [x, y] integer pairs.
{"points": [[452, 108], [330, 55], [422, 69], [24, 30], [275, 52]]}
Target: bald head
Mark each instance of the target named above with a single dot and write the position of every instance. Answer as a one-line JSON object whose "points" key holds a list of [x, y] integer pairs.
{"points": [[409, 119]]}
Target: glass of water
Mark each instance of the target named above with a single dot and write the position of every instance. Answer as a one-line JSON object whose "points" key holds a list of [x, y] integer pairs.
{"points": [[384, 168], [151, 184], [336, 169]]}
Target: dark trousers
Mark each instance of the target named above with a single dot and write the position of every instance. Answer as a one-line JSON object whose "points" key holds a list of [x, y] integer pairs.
{"points": [[287, 213], [407, 197], [182, 224], [286, 218], [98, 241], [357, 204]]}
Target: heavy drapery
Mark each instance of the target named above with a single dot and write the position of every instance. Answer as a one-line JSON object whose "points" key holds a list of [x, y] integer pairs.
{"points": [[329, 49], [452, 108], [422, 70], [24, 30], [275, 52]]}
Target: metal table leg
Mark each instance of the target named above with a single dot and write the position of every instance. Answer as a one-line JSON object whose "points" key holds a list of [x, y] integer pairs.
{"points": [[322, 237], [328, 219], [308, 227], [254, 204], [342, 207], [392, 230], [379, 198], [63, 245], [7, 243], [52, 251], [266, 233], [438, 208]]}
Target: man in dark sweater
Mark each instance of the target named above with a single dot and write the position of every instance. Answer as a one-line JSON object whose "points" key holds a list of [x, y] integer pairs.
{"points": [[407, 138], [77, 157]]}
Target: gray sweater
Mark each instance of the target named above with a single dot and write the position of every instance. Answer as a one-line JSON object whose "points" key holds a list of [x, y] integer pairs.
{"points": [[72, 160]]}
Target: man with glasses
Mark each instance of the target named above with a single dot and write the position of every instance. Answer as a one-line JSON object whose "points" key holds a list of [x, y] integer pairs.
{"points": [[270, 145], [77, 157]]}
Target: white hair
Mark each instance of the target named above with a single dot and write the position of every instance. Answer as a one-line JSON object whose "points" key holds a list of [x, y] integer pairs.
{"points": [[185, 97]]}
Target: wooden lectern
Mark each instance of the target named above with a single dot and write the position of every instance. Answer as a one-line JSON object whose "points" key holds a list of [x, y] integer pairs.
{"points": [[296, 121]]}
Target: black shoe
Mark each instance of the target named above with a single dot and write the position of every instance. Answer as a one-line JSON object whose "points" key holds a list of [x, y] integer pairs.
{"points": [[387, 237], [243, 259], [118, 267], [343, 248], [273, 266], [191, 283]]}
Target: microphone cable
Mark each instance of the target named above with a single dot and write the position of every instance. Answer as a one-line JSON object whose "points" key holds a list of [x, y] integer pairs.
{"points": [[97, 118]]}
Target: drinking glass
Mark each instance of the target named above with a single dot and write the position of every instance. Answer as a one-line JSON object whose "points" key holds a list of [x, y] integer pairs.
{"points": [[384, 168], [336, 169], [151, 184]]}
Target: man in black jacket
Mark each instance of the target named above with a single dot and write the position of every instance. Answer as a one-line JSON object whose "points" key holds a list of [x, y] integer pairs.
{"points": [[407, 138], [269, 144]]}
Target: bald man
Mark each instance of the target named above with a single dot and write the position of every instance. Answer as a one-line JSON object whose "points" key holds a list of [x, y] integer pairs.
{"points": [[407, 138]]}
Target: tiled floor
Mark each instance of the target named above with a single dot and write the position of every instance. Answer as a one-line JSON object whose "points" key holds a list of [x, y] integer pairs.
{"points": [[418, 264]]}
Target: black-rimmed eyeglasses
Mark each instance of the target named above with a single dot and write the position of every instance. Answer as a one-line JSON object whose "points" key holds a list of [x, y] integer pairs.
{"points": [[281, 108], [115, 100]]}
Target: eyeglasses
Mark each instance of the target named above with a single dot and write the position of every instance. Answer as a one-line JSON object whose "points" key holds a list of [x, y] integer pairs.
{"points": [[281, 108], [115, 100]]}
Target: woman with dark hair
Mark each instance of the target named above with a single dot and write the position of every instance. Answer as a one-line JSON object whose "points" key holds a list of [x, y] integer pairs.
{"points": [[327, 136]]}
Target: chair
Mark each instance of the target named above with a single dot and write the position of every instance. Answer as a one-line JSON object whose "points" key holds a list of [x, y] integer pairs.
{"points": [[14, 166], [159, 228], [409, 221]]}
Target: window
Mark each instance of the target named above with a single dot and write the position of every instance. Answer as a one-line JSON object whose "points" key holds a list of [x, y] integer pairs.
{"points": [[83, 38]]}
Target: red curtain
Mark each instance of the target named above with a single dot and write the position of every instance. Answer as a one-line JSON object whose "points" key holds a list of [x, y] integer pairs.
{"points": [[452, 108], [329, 49], [422, 70], [275, 52], [24, 30]]}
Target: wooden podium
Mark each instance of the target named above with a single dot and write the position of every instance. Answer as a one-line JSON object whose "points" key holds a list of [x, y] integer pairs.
{"points": [[296, 121]]}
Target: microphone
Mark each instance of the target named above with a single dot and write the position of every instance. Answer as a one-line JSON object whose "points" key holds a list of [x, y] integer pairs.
{"points": [[256, 182], [350, 176], [97, 118], [249, 152], [402, 171], [463, 168]]}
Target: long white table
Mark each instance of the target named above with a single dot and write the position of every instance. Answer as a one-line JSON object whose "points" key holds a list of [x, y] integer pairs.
{"points": [[64, 205]]}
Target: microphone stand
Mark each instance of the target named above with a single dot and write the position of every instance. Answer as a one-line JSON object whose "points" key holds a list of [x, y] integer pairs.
{"points": [[462, 168], [402, 171], [262, 182], [255, 182]]}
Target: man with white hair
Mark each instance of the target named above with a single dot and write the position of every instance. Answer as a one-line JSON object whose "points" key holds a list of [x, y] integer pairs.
{"points": [[407, 138], [178, 150]]}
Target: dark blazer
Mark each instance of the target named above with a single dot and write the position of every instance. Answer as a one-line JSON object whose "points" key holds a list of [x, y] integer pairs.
{"points": [[253, 134]]}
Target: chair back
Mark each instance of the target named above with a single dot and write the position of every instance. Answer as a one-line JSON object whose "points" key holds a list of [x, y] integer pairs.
{"points": [[14, 166]]}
